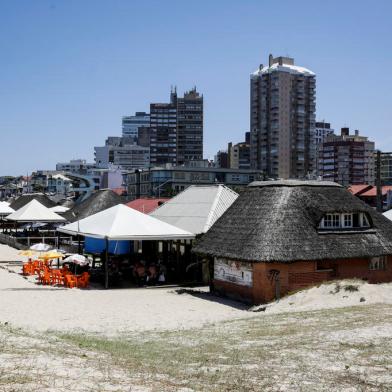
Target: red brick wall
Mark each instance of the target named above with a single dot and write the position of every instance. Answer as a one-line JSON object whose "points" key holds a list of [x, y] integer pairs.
{"points": [[359, 268], [298, 275], [234, 291]]}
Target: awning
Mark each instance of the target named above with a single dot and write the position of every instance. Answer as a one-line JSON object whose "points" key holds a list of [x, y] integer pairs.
{"points": [[123, 223]]}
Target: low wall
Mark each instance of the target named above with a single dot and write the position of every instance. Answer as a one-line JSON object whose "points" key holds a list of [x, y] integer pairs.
{"points": [[12, 241]]}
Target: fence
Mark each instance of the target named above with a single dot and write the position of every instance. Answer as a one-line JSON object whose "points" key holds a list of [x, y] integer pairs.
{"points": [[23, 243]]}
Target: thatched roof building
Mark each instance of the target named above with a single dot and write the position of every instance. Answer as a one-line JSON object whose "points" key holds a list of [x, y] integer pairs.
{"points": [[97, 202], [21, 201], [279, 221]]}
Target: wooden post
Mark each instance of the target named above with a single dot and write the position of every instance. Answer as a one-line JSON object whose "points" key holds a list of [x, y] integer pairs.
{"points": [[378, 182], [178, 259], [106, 264], [277, 287]]}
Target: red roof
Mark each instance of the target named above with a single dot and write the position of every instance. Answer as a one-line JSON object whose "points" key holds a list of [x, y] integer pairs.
{"points": [[373, 191], [146, 205], [359, 189]]}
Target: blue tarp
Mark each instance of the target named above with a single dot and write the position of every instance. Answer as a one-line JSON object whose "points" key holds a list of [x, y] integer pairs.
{"points": [[97, 245]]}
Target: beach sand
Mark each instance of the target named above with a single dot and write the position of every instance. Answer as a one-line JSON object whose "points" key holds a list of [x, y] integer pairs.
{"points": [[25, 304], [111, 312]]}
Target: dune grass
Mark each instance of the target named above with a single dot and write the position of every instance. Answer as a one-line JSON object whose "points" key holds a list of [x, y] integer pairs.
{"points": [[335, 349]]}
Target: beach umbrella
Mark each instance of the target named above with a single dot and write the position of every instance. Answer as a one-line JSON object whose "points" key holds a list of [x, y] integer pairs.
{"points": [[40, 247], [77, 259], [27, 253], [53, 254]]}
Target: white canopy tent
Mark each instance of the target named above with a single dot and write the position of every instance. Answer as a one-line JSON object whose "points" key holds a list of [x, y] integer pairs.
{"points": [[5, 208], [121, 223], [34, 211], [388, 214]]}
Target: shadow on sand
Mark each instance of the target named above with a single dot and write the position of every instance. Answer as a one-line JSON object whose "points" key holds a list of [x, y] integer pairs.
{"points": [[35, 288], [213, 298]]}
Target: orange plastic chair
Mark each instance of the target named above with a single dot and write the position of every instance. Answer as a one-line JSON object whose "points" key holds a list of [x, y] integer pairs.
{"points": [[70, 280], [44, 277], [65, 270], [47, 278], [57, 277], [27, 269], [84, 280], [36, 266]]}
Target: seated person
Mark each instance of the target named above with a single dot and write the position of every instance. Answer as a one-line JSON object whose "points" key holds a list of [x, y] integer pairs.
{"points": [[140, 273], [152, 273]]}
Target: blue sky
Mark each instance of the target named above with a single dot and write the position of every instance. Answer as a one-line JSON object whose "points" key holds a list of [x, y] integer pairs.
{"points": [[70, 69]]}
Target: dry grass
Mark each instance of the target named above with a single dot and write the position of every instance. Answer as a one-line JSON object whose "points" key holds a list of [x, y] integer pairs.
{"points": [[339, 349]]}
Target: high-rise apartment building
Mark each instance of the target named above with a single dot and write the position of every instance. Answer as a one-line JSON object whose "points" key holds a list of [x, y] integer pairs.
{"points": [[347, 159], [122, 152], [163, 136], [221, 160], [189, 127], [282, 119], [239, 154], [176, 129], [322, 130], [131, 124], [386, 168]]}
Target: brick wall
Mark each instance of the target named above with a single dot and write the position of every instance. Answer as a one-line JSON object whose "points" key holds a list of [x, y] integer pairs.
{"points": [[299, 275], [234, 291]]}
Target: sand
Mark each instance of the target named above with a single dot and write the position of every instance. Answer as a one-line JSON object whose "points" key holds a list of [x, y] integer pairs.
{"points": [[333, 295], [111, 312], [25, 304], [8, 254]]}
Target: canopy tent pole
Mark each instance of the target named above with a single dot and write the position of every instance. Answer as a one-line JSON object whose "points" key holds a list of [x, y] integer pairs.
{"points": [[106, 264], [179, 274]]}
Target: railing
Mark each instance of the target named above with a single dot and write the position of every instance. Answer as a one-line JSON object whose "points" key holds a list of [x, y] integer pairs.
{"points": [[23, 243]]}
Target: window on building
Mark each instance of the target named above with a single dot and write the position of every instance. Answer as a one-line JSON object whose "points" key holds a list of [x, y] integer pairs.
{"points": [[347, 220], [332, 220], [378, 263], [356, 220], [364, 221]]}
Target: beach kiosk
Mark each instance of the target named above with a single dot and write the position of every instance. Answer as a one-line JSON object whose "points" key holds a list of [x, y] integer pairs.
{"points": [[121, 223]]}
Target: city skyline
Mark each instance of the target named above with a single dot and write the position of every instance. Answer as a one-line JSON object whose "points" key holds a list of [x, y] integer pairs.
{"points": [[68, 80]]}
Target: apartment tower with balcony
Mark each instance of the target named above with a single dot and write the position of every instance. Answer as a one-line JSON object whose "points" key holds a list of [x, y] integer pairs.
{"points": [[282, 119], [176, 129], [189, 127], [347, 159]]}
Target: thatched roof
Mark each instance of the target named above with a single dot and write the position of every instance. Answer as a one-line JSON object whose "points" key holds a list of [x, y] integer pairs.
{"points": [[97, 202], [21, 201], [278, 221]]}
